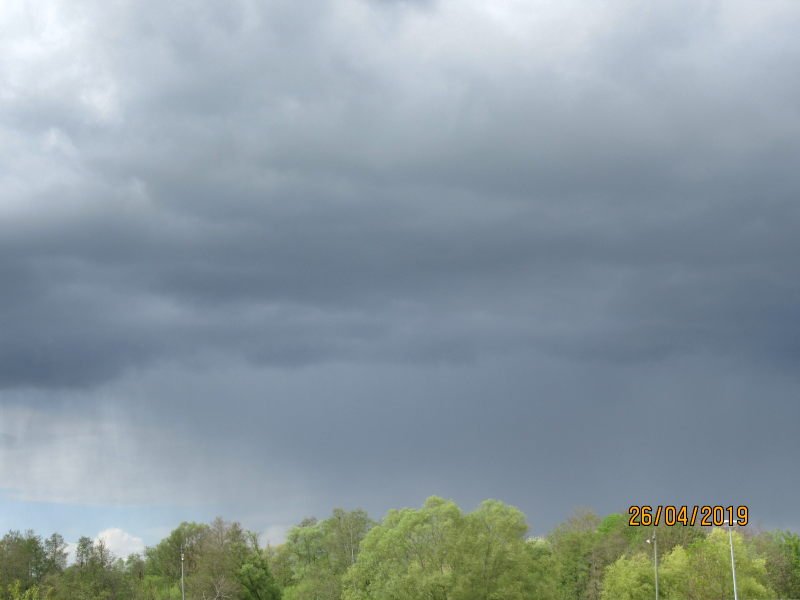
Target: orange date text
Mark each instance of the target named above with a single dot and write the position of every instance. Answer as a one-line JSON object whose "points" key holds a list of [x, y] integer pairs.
{"points": [[705, 515]]}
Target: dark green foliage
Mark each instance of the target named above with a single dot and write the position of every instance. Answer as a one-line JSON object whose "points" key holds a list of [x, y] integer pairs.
{"points": [[256, 578], [573, 546], [55, 554], [165, 559], [96, 575], [781, 551], [23, 559]]}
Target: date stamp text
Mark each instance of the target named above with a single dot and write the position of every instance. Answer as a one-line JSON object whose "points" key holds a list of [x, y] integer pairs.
{"points": [[704, 515]]}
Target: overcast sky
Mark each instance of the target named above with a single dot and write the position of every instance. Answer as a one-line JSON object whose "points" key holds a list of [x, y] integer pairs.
{"points": [[264, 259]]}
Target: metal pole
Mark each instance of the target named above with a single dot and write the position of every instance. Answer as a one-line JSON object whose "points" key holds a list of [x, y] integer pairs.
{"points": [[654, 541], [733, 562], [183, 591], [655, 554]]}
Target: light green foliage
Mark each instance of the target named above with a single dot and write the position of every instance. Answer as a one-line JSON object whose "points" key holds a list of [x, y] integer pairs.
{"points": [[542, 578], [318, 553], [703, 570], [712, 560], [494, 557], [629, 579], [410, 555], [674, 574], [155, 587], [15, 592], [438, 553]]}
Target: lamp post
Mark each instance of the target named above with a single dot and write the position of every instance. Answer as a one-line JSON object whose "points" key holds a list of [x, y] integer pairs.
{"points": [[654, 541], [733, 562], [183, 592]]}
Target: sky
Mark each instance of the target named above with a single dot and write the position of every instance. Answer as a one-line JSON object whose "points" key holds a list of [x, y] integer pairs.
{"points": [[264, 259]]}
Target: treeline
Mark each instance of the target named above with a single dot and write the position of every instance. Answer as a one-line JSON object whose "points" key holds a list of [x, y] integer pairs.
{"points": [[436, 552]]}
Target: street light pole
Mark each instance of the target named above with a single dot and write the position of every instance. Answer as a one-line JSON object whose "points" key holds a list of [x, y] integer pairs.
{"points": [[733, 562], [183, 592], [655, 558]]}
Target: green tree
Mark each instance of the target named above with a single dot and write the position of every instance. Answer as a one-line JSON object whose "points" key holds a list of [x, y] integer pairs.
{"points": [[781, 551], [317, 554], [494, 558], [573, 544], [542, 573], [703, 570], [55, 554], [342, 534], [22, 559], [438, 553], [255, 576], [83, 551], [96, 575], [674, 572], [15, 592], [219, 556], [629, 579], [712, 563], [164, 559]]}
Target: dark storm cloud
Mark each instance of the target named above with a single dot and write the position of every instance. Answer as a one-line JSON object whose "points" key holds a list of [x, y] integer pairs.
{"points": [[388, 226]]}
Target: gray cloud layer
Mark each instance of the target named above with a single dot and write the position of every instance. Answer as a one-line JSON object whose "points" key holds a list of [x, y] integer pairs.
{"points": [[506, 233]]}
